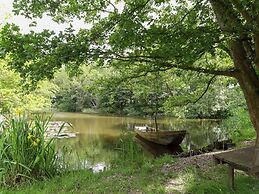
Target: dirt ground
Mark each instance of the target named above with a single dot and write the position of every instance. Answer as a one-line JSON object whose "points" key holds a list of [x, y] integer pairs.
{"points": [[203, 162]]}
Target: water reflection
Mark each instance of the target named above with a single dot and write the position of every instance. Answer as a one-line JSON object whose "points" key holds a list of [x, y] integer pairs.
{"points": [[158, 150], [97, 135]]}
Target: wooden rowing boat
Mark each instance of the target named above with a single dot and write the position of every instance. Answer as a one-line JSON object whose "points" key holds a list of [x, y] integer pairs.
{"points": [[162, 137], [158, 149]]}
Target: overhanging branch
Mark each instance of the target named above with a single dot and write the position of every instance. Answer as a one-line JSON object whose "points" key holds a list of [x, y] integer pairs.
{"points": [[160, 64], [205, 91], [242, 11], [229, 72], [164, 66], [201, 96]]}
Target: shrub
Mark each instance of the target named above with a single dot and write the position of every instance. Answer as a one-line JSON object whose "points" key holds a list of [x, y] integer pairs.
{"points": [[239, 125]]}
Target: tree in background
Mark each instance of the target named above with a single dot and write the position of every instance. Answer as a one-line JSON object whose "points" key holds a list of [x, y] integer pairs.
{"points": [[176, 94], [14, 97], [72, 94]]}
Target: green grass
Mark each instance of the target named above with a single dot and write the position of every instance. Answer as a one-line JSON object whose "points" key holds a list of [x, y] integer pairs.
{"points": [[120, 180], [129, 152], [147, 178], [216, 181]]}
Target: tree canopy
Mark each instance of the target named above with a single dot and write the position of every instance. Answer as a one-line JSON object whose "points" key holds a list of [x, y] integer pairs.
{"points": [[139, 35], [142, 36]]}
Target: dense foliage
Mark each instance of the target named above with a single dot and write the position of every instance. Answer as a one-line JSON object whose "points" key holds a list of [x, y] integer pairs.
{"points": [[71, 94], [107, 91], [238, 126], [13, 96]]}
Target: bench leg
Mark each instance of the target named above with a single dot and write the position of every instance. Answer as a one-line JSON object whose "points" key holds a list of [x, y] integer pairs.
{"points": [[231, 177], [216, 161]]}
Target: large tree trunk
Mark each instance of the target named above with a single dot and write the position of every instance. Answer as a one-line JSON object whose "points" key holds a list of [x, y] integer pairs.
{"points": [[249, 83], [252, 99], [229, 22]]}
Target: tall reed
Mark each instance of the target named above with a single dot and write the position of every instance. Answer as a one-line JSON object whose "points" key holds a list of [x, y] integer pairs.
{"points": [[129, 152], [25, 153]]}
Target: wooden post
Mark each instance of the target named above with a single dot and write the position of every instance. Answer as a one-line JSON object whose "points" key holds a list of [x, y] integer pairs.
{"points": [[256, 156], [231, 177], [216, 161]]}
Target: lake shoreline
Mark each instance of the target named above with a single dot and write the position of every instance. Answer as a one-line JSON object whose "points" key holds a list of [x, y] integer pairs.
{"points": [[196, 174]]}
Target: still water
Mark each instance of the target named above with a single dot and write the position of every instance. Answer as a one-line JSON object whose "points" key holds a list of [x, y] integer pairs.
{"points": [[97, 135]]}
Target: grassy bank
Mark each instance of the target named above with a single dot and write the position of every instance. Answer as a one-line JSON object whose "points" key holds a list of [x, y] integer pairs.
{"points": [[149, 178], [133, 172]]}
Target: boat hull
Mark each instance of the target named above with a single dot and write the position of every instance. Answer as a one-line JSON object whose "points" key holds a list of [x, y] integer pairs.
{"points": [[163, 137]]}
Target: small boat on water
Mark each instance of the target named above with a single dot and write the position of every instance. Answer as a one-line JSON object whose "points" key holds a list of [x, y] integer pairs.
{"points": [[161, 137]]}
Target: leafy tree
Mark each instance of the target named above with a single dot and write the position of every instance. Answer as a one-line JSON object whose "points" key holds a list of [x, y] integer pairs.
{"points": [[133, 97], [13, 96], [115, 99], [200, 100], [144, 36], [71, 94]]}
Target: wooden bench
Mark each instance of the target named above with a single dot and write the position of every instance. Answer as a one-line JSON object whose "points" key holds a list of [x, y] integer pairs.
{"points": [[242, 159]]}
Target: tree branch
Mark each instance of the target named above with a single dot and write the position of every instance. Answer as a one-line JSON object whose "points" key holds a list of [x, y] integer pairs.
{"points": [[226, 16], [242, 11], [201, 96], [113, 24], [229, 72], [114, 7], [207, 88], [164, 66], [185, 15]]}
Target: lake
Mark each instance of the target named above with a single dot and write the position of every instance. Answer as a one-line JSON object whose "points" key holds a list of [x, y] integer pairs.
{"points": [[97, 135]]}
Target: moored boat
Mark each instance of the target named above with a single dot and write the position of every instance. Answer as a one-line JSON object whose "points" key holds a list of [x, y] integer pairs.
{"points": [[162, 137]]}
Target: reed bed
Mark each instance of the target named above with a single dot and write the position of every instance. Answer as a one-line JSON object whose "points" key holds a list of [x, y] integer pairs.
{"points": [[129, 152], [25, 153]]}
